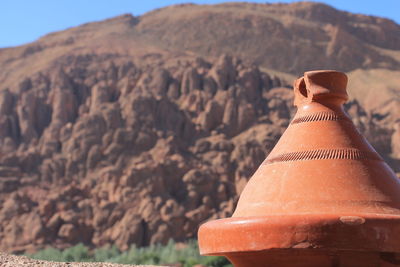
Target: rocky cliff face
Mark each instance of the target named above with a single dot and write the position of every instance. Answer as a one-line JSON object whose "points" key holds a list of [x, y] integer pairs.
{"points": [[111, 136]]}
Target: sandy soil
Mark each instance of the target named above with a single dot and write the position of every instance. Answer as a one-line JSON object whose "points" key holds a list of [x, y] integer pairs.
{"points": [[7, 260]]}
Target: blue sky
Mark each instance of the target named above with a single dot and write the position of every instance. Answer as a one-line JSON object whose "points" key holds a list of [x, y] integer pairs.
{"points": [[23, 21]]}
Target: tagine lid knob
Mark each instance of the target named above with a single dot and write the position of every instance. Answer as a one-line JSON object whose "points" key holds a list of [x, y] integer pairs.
{"points": [[319, 85]]}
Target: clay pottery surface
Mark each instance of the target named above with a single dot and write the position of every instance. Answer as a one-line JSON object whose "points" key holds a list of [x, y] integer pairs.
{"points": [[322, 197]]}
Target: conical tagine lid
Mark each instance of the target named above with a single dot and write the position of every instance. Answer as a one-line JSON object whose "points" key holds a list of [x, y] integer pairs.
{"points": [[322, 187]]}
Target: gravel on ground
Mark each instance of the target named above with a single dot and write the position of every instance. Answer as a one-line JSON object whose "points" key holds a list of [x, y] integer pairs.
{"points": [[7, 260]]}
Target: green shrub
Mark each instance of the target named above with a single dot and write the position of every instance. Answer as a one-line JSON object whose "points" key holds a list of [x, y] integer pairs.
{"points": [[214, 261], [105, 254], [154, 254], [50, 254], [76, 253]]}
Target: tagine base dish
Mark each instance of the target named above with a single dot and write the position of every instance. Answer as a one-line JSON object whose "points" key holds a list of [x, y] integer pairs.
{"points": [[314, 258], [304, 240]]}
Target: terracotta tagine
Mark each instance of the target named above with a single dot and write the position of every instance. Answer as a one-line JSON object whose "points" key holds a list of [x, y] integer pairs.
{"points": [[322, 197]]}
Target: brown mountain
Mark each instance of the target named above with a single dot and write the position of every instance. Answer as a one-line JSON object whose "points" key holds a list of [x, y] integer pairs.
{"points": [[136, 129]]}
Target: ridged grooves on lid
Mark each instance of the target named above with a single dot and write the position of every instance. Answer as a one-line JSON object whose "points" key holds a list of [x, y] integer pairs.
{"points": [[344, 153], [320, 116]]}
